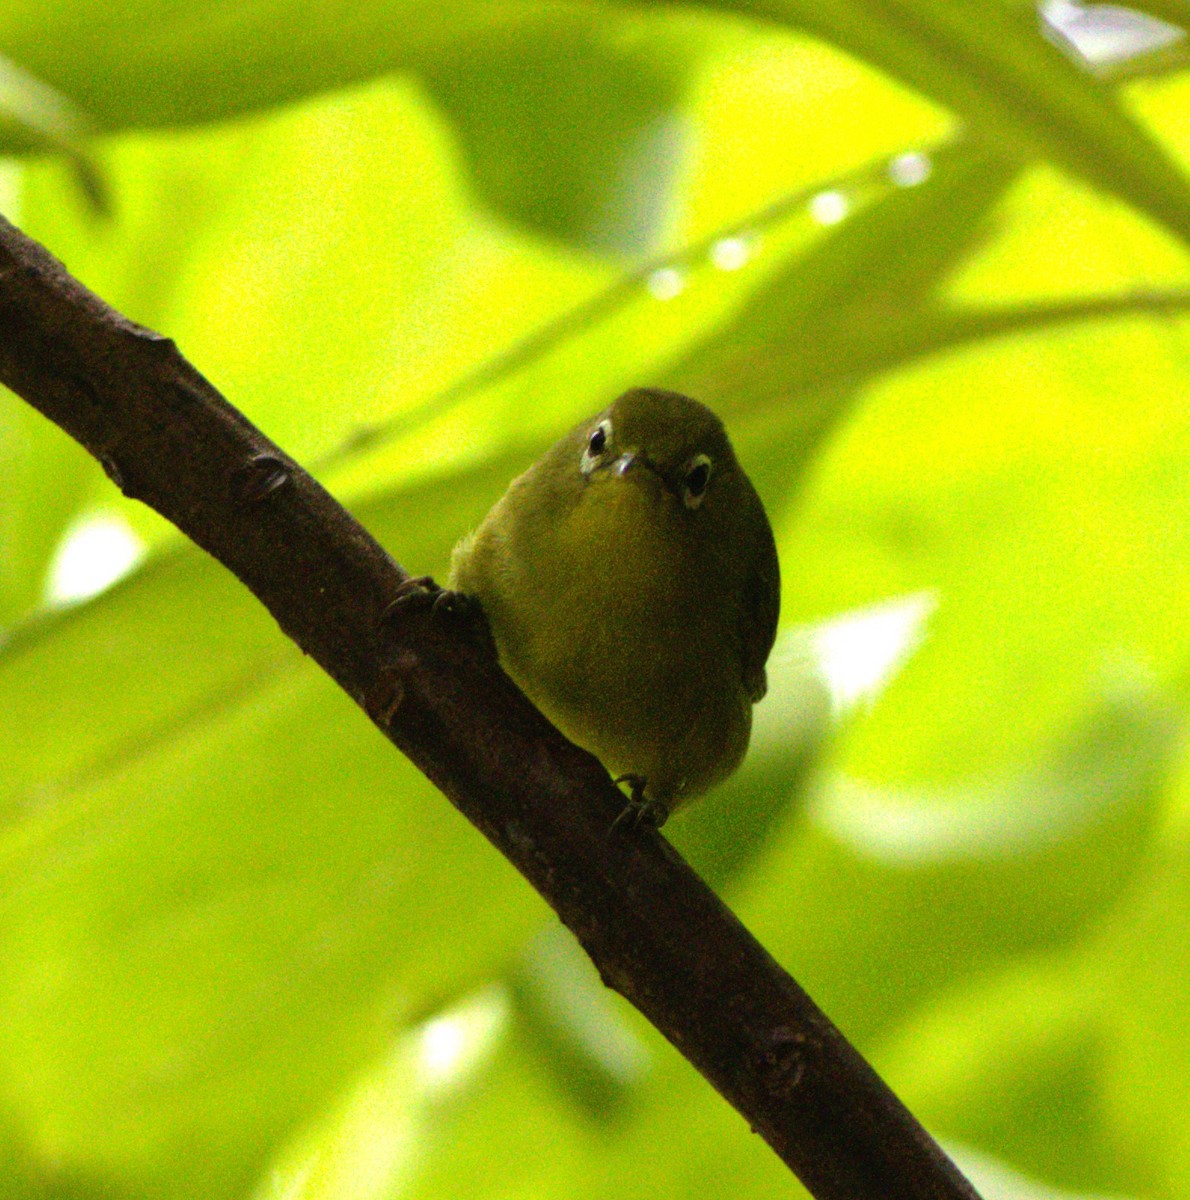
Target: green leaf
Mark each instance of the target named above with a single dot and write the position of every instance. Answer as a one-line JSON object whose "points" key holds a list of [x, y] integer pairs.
{"points": [[589, 158], [1014, 1063], [1177, 12], [910, 925], [843, 309], [145, 63], [373, 1140], [576, 1028], [1119, 751], [34, 516], [1073, 1065], [35, 116], [573, 128], [220, 888], [987, 62], [1139, 969]]}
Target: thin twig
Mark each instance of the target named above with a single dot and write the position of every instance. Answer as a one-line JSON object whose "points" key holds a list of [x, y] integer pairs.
{"points": [[656, 932], [859, 183]]}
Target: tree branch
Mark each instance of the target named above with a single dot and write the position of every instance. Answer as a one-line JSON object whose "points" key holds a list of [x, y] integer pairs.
{"points": [[656, 932]]}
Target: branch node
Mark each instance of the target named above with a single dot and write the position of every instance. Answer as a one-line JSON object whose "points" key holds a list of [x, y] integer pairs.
{"points": [[194, 394], [111, 469], [785, 1061], [158, 342], [259, 477], [386, 695]]}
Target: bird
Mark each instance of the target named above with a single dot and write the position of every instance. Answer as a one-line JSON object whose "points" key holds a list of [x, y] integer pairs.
{"points": [[631, 584]]}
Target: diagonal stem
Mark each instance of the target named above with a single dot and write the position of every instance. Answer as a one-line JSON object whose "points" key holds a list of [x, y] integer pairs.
{"points": [[656, 932]]}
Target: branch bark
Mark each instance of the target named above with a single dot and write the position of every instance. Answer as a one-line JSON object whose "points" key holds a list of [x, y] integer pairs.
{"points": [[656, 932]]}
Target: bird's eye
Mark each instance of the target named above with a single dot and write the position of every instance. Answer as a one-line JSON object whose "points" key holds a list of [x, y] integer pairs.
{"points": [[596, 444], [698, 475]]}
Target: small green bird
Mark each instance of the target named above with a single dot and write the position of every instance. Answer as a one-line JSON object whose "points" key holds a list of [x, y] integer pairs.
{"points": [[630, 579]]}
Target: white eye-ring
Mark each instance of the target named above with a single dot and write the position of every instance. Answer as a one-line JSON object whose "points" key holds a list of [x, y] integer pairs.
{"points": [[596, 446], [694, 483]]}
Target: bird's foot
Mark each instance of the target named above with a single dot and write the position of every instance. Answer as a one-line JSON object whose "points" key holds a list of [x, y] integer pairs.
{"points": [[640, 809], [419, 593]]}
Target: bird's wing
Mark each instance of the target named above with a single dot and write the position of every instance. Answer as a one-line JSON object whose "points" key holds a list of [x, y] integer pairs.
{"points": [[759, 612]]}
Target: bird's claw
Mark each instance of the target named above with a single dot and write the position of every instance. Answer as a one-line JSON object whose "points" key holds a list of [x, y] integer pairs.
{"points": [[421, 592], [640, 810]]}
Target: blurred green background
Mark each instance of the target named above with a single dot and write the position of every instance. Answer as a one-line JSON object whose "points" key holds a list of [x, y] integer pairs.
{"points": [[929, 260]]}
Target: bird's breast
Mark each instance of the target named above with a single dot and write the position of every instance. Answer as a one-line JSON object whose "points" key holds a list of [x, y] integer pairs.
{"points": [[617, 607], [628, 569], [605, 616]]}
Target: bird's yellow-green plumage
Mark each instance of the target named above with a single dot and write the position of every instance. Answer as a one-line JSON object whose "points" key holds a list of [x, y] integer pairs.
{"points": [[631, 582]]}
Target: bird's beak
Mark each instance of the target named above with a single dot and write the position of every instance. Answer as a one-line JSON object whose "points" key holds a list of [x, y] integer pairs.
{"points": [[635, 461], [625, 462]]}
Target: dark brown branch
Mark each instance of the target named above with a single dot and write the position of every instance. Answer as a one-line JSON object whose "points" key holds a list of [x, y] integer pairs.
{"points": [[656, 932]]}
